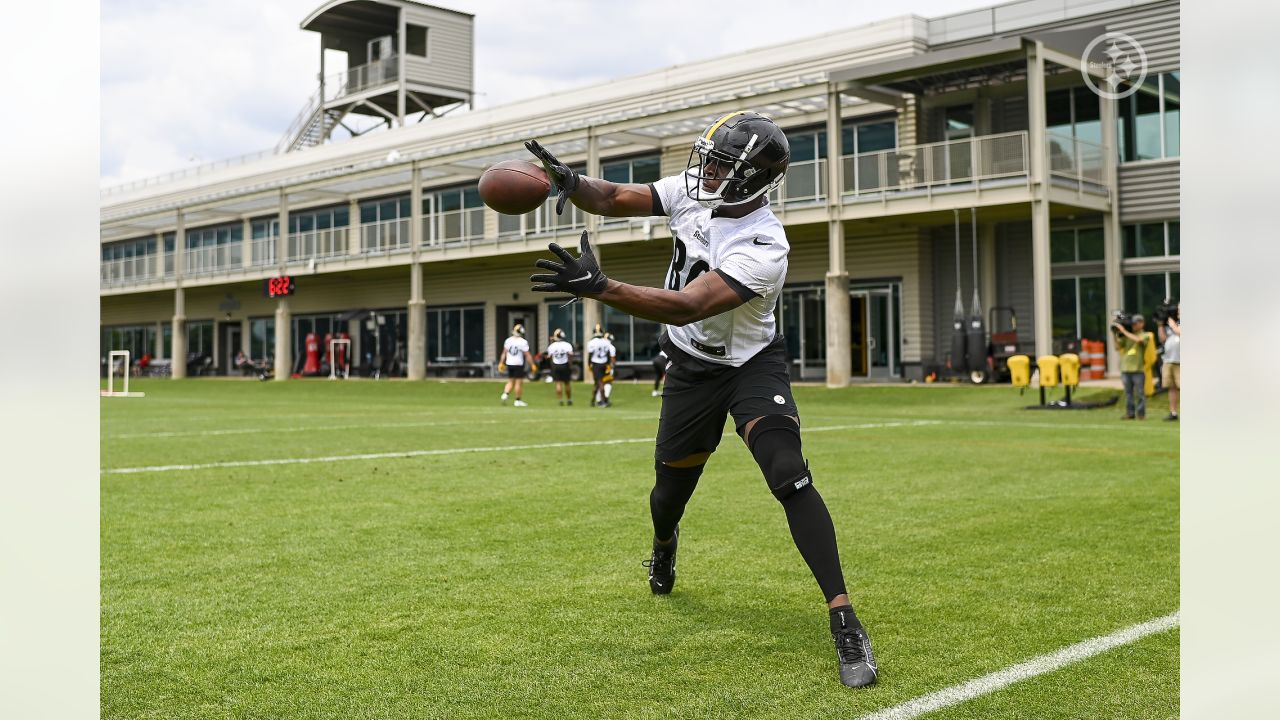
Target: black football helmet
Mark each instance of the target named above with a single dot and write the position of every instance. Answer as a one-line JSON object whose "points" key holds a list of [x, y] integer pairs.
{"points": [[751, 146]]}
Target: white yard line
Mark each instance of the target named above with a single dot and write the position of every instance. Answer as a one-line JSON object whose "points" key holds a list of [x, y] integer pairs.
{"points": [[978, 687], [448, 451], [353, 426]]}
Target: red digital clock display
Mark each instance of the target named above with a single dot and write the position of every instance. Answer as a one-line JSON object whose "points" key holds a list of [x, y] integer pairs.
{"points": [[278, 286]]}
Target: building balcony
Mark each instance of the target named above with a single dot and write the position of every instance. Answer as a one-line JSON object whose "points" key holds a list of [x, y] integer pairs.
{"points": [[976, 171]]}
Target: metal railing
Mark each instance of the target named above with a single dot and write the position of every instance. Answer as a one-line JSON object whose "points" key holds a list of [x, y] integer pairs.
{"points": [[1077, 160], [212, 259], [362, 77], [317, 244], [299, 122], [805, 181], [544, 221], [129, 271], [118, 188], [451, 228], [950, 162], [262, 251], [384, 236]]}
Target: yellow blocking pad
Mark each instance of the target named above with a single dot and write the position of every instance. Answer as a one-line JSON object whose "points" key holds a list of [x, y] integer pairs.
{"points": [[1048, 365], [1069, 368], [1019, 370]]}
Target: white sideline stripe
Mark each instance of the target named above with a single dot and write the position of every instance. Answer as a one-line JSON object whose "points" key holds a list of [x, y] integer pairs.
{"points": [[978, 687], [321, 428], [444, 451]]}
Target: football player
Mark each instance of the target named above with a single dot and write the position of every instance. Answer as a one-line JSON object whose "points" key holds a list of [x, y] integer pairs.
{"points": [[659, 372], [514, 359], [561, 354], [598, 355], [606, 382], [728, 266]]}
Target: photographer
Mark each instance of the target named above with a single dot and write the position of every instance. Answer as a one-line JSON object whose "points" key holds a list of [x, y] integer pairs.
{"points": [[1131, 343], [1170, 332]]}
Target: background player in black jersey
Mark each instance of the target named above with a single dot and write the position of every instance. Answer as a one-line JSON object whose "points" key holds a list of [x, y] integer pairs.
{"points": [[728, 267]]}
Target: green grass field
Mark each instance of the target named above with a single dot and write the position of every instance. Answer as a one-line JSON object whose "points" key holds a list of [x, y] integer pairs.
{"points": [[508, 583]]}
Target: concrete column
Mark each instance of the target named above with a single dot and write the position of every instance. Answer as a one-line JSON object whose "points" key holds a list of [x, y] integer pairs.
{"points": [[246, 243], [282, 239], [1112, 238], [157, 260], [417, 325], [592, 310], [284, 339], [245, 340], [179, 360], [1038, 149], [400, 80], [839, 338], [353, 228], [417, 311], [157, 351]]}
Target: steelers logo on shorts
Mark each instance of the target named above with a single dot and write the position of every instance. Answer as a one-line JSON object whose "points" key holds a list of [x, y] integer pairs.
{"points": [[779, 399]]}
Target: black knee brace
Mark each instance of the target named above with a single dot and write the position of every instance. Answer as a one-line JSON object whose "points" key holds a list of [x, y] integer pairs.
{"points": [[775, 443]]}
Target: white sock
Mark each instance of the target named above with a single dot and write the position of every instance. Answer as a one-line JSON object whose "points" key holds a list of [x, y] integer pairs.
{"points": [[608, 389]]}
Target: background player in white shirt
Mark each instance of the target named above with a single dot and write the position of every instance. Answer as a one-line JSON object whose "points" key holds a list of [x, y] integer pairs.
{"points": [[561, 354], [606, 381], [598, 355], [514, 359], [728, 266]]}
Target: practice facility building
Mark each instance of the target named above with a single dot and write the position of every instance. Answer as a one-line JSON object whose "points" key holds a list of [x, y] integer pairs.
{"points": [[918, 145]]}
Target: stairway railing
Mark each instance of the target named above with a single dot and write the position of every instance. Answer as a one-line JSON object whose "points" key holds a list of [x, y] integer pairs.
{"points": [[299, 125]]}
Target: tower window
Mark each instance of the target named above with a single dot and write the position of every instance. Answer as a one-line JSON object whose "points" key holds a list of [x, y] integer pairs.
{"points": [[415, 41]]}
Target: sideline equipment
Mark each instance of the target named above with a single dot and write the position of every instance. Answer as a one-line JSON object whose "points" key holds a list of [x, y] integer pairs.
{"points": [[111, 375]]}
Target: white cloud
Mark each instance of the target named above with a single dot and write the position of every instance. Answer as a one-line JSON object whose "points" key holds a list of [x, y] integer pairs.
{"points": [[202, 80]]}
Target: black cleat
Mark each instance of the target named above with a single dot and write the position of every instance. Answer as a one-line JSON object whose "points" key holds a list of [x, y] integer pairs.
{"points": [[662, 565], [853, 649]]}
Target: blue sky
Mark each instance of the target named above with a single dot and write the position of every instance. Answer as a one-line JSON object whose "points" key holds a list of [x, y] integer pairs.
{"points": [[194, 81]]}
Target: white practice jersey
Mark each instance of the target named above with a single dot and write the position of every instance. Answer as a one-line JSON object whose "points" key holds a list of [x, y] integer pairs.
{"points": [[560, 351], [750, 251], [600, 350], [515, 347]]}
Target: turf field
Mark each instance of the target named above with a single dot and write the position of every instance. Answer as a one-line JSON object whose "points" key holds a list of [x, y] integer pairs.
{"points": [[500, 583]]}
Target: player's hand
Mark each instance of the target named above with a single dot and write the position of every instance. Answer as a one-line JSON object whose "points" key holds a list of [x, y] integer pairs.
{"points": [[561, 176], [576, 276]]}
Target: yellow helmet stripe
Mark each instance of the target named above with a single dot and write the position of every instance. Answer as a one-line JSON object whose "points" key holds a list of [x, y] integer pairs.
{"points": [[716, 125]]}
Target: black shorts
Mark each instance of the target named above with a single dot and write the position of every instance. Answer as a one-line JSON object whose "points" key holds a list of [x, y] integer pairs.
{"points": [[515, 372], [562, 373], [660, 365], [698, 396], [597, 370]]}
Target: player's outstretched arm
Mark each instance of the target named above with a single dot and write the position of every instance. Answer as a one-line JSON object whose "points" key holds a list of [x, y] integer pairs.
{"points": [[593, 195], [706, 296]]}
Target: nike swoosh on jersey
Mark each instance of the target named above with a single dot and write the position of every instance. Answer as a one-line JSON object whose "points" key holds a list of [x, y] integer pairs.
{"points": [[756, 241]]}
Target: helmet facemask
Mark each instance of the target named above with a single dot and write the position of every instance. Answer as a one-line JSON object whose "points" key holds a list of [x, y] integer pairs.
{"points": [[741, 184]]}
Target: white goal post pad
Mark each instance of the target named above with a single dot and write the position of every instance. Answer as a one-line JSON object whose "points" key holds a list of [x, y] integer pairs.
{"points": [[111, 375], [333, 357]]}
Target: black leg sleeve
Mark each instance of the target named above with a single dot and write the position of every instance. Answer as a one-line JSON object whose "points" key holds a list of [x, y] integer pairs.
{"points": [[671, 492], [775, 444]]}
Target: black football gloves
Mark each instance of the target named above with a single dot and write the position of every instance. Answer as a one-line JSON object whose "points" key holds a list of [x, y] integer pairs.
{"points": [[577, 276], [561, 176]]}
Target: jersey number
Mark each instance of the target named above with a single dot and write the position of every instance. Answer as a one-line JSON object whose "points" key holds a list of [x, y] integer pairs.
{"points": [[678, 260]]}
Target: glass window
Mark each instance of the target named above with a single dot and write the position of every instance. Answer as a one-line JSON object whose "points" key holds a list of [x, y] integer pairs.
{"points": [[958, 120], [166, 338], [1172, 94], [619, 323], [455, 334], [1090, 245], [1151, 240], [1057, 105], [644, 339], [804, 146], [1148, 239], [568, 319], [1062, 246], [616, 172], [368, 213], [200, 338], [1063, 302], [877, 136], [1142, 293], [473, 334], [646, 169], [1092, 297], [1175, 240], [262, 338]]}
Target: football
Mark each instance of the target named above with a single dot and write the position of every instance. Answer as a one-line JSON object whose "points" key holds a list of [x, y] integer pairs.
{"points": [[514, 187]]}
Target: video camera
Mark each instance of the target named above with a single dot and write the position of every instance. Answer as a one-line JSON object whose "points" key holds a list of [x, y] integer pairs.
{"points": [[1123, 319], [1164, 311]]}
